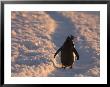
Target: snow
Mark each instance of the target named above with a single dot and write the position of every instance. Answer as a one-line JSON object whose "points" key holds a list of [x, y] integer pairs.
{"points": [[37, 35]]}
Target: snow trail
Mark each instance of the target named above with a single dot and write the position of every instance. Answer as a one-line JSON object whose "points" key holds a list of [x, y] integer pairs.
{"points": [[65, 28]]}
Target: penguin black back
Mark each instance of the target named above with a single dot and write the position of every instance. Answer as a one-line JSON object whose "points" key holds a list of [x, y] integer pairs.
{"points": [[67, 50]]}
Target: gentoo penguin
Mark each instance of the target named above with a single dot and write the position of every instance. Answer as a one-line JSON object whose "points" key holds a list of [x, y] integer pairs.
{"points": [[68, 53]]}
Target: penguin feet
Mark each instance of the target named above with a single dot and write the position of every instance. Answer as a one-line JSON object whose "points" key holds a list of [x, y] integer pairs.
{"points": [[71, 67], [63, 66]]}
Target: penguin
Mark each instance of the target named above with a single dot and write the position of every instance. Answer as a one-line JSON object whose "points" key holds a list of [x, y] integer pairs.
{"points": [[68, 52]]}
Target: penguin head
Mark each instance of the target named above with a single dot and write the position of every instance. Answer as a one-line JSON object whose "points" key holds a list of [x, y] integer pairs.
{"points": [[68, 38], [72, 37]]}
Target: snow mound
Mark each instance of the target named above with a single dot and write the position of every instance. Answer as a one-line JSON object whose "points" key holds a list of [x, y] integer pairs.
{"points": [[31, 43]]}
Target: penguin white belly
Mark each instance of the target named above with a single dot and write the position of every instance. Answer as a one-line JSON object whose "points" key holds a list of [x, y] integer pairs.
{"points": [[74, 56]]}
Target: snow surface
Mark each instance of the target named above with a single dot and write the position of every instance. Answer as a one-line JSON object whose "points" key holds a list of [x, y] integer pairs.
{"points": [[36, 36]]}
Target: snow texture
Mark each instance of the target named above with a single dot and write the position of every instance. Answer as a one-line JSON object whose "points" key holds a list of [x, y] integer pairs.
{"points": [[36, 36]]}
